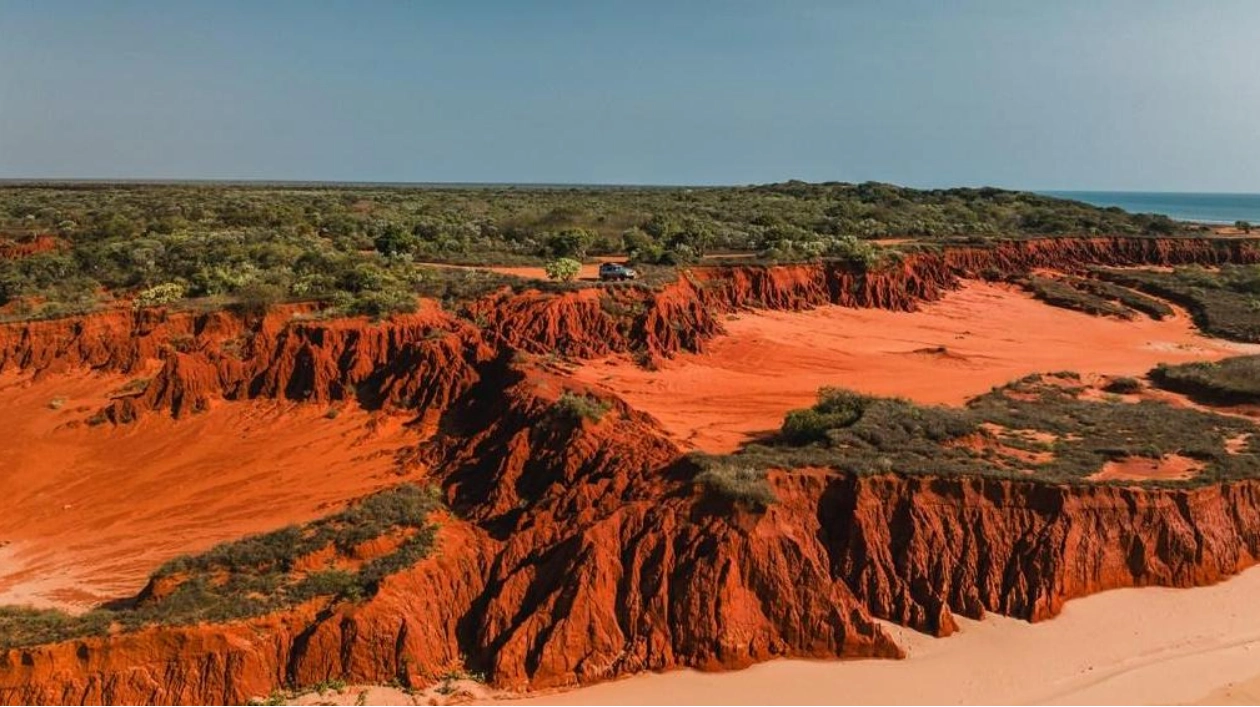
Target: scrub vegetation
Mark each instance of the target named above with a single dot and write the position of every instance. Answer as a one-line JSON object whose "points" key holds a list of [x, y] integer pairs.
{"points": [[1038, 428], [362, 250]]}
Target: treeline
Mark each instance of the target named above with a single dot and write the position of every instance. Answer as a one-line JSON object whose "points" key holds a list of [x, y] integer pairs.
{"points": [[357, 245]]}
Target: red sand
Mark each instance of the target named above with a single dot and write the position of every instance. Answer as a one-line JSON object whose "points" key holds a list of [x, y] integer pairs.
{"points": [[86, 513], [1172, 467], [978, 337]]}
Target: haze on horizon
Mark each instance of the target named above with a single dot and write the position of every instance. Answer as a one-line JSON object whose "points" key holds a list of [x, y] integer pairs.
{"points": [[1127, 94]]}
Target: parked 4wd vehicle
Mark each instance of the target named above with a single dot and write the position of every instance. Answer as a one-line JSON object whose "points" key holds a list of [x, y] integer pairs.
{"points": [[616, 271]]}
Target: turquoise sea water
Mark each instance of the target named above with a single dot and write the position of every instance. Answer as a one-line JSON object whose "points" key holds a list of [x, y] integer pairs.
{"points": [[1204, 207]]}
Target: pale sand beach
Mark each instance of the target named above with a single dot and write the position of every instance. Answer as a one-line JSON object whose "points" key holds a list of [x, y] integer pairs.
{"points": [[1149, 645]]}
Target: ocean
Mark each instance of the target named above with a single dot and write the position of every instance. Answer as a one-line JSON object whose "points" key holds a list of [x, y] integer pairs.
{"points": [[1204, 207]]}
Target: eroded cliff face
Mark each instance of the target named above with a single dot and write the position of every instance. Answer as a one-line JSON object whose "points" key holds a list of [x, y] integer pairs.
{"points": [[913, 547], [419, 362], [295, 355], [593, 563], [579, 549], [416, 615], [578, 552]]}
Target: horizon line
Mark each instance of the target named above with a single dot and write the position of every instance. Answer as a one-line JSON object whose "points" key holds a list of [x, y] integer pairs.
{"points": [[161, 181]]}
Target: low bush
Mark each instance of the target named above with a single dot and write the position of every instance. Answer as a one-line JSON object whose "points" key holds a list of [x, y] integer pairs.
{"points": [[25, 626], [739, 484], [1153, 308], [1071, 437], [579, 406], [1062, 293], [1224, 303], [1229, 381], [257, 298], [1124, 386], [835, 408], [159, 295]]}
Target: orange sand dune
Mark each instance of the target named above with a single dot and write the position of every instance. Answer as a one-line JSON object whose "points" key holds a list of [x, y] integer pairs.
{"points": [[975, 338], [87, 512]]}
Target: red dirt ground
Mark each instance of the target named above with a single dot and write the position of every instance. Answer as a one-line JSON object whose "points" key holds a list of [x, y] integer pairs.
{"points": [[87, 512], [1172, 467], [981, 336]]}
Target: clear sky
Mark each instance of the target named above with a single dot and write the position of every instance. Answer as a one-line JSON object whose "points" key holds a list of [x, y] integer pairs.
{"points": [[1063, 94]]}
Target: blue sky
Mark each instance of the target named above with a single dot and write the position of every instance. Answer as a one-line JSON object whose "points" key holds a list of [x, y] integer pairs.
{"points": [[1143, 95]]}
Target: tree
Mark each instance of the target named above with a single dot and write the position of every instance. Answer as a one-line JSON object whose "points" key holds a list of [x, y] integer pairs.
{"points": [[1244, 226], [569, 243], [640, 246], [393, 240], [563, 269]]}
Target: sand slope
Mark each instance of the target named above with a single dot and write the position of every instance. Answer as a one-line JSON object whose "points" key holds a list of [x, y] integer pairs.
{"points": [[87, 512]]}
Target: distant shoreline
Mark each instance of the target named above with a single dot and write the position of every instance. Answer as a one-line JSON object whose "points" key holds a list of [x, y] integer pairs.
{"points": [[1209, 208]]}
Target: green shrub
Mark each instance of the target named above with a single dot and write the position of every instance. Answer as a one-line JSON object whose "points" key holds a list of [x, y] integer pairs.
{"points": [[563, 269], [1154, 308], [1072, 437], [1229, 381], [1124, 386], [577, 406], [330, 583], [395, 240], [158, 295], [1063, 293], [835, 408], [568, 243], [739, 484], [1222, 302], [25, 626], [849, 248], [257, 298], [383, 303]]}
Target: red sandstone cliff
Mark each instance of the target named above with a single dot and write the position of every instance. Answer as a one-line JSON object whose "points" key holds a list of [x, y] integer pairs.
{"points": [[579, 550], [607, 570], [320, 360]]}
